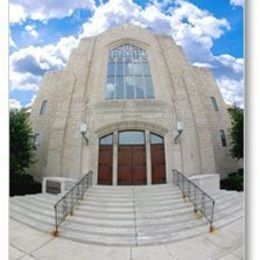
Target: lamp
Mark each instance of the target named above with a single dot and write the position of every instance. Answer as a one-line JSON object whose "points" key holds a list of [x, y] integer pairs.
{"points": [[179, 126], [83, 131]]}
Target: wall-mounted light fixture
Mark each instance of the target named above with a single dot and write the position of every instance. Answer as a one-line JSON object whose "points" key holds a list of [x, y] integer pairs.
{"points": [[83, 131], [179, 126]]}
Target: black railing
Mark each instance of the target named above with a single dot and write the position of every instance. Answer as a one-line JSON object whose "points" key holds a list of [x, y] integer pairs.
{"points": [[201, 200], [66, 204]]}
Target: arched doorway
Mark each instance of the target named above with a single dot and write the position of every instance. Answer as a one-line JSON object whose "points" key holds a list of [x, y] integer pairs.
{"points": [[131, 158], [105, 161], [158, 159]]}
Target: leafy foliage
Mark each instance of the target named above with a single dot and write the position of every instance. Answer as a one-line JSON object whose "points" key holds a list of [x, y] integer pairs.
{"points": [[235, 181], [21, 154], [237, 132], [21, 141], [21, 184]]}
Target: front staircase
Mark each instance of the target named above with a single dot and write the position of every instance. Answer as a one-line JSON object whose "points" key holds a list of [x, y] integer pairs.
{"points": [[128, 215]]}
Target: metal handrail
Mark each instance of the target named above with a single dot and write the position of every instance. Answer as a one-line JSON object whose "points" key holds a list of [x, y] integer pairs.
{"points": [[201, 200], [65, 205]]}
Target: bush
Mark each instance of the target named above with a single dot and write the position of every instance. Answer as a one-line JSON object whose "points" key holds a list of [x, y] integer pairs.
{"points": [[235, 181], [22, 184], [21, 154]]}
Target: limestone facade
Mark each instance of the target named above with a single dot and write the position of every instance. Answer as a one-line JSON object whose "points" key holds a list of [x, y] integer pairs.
{"points": [[182, 93]]}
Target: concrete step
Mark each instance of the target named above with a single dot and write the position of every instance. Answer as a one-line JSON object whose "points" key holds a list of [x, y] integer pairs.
{"points": [[128, 215], [33, 204], [32, 219], [25, 207], [99, 239], [98, 230]]}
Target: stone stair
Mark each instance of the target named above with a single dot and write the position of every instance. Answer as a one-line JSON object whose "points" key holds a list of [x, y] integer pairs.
{"points": [[128, 215]]}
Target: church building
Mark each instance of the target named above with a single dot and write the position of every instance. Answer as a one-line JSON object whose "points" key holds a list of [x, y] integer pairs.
{"points": [[130, 107]]}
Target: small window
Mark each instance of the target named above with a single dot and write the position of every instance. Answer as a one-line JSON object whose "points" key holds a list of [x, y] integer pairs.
{"points": [[43, 107], [214, 103], [107, 140], [156, 139], [223, 137], [131, 137], [36, 139]]}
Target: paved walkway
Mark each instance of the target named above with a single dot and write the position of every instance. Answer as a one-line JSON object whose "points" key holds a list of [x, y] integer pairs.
{"points": [[29, 244]]}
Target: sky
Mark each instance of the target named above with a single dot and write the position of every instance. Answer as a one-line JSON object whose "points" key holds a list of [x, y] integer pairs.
{"points": [[42, 34]]}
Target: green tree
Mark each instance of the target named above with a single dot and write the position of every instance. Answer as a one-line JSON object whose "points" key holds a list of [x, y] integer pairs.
{"points": [[21, 141], [237, 132]]}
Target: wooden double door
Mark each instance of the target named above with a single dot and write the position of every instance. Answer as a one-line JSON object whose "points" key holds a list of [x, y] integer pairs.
{"points": [[131, 165], [131, 159]]}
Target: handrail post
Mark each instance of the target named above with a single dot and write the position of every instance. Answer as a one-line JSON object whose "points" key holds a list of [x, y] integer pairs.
{"points": [[56, 221], [183, 188], [211, 228], [195, 199]]}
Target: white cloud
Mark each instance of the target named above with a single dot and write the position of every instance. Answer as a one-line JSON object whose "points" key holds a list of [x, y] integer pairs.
{"points": [[20, 10], [203, 65], [236, 64], [232, 90], [29, 64], [114, 12], [17, 13], [13, 103], [31, 30], [237, 3]]}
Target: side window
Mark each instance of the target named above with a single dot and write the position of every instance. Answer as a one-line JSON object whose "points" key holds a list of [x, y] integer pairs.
{"points": [[214, 103], [43, 107], [36, 139], [223, 137]]}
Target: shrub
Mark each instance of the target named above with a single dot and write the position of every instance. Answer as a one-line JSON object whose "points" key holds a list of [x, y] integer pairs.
{"points": [[235, 181]]}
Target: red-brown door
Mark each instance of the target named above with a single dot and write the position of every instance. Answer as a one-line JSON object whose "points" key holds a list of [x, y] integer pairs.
{"points": [[124, 165], [131, 165], [139, 165], [105, 163], [158, 163]]}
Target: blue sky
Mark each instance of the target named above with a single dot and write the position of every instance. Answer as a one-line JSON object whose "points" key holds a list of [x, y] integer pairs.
{"points": [[43, 33]]}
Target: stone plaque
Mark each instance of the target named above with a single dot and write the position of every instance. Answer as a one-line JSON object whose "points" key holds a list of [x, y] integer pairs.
{"points": [[53, 187]]}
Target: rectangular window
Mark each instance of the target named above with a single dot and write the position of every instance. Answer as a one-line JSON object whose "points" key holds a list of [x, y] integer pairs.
{"points": [[119, 69], [120, 90], [36, 139], [110, 88], [43, 107], [149, 87], [214, 103], [223, 137], [139, 87], [130, 87], [111, 69]]}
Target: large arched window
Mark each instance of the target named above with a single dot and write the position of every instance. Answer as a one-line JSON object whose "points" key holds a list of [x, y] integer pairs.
{"points": [[128, 74]]}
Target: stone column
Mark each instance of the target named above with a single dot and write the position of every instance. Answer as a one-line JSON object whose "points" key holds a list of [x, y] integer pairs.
{"points": [[148, 158], [115, 157]]}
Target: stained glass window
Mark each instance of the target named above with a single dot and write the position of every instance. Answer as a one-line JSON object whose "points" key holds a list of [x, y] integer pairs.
{"points": [[128, 74]]}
